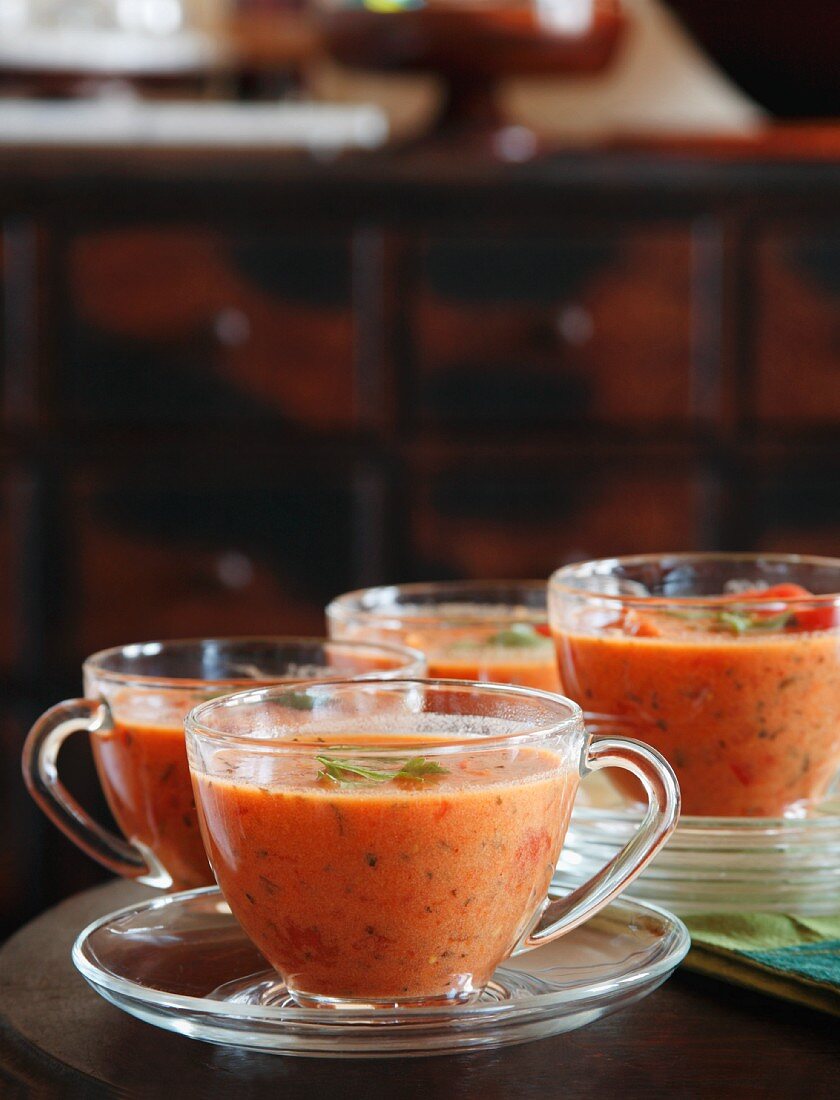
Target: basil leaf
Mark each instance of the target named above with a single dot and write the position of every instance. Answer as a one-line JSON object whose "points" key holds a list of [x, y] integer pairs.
{"points": [[344, 773], [515, 636]]}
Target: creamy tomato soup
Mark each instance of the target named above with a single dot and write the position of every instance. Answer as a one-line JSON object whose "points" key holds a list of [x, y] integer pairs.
{"points": [[409, 885], [743, 700], [146, 779]]}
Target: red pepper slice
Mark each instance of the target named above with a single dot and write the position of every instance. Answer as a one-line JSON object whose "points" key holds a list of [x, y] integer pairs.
{"points": [[779, 592], [810, 618]]}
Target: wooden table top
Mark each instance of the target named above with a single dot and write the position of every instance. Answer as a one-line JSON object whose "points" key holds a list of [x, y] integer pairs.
{"points": [[692, 1038]]}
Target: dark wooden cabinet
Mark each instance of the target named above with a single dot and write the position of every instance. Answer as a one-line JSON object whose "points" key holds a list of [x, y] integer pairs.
{"points": [[197, 545], [22, 853], [534, 330], [795, 502], [20, 598], [797, 340], [234, 385], [512, 517], [9, 623], [198, 326]]}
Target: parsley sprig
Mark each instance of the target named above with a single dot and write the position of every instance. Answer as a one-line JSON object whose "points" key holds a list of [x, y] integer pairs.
{"points": [[515, 636], [345, 773], [740, 622], [737, 619]]}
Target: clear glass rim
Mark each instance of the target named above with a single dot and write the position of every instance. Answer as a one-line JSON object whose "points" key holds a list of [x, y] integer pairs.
{"points": [[413, 660], [195, 723], [349, 607], [561, 580]]}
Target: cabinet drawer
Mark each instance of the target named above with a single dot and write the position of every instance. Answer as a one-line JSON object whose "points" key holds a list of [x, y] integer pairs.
{"points": [[798, 327], [558, 330], [203, 551], [523, 519], [200, 326]]}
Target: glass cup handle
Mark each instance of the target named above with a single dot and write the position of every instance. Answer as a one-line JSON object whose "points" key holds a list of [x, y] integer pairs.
{"points": [[663, 810], [40, 772]]}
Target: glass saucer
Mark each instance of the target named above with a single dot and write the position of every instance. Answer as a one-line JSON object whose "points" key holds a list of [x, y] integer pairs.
{"points": [[713, 864], [181, 962]]}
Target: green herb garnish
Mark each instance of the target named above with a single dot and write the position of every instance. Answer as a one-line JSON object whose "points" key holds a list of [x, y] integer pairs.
{"points": [[735, 619], [296, 700], [693, 614], [418, 767], [515, 636], [740, 622], [518, 636], [343, 772]]}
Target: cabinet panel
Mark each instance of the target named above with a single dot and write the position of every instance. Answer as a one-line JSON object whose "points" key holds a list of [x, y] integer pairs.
{"points": [[521, 519], [5, 306], [188, 325], [795, 506], [18, 583], [217, 550], [20, 863], [555, 329], [798, 326]]}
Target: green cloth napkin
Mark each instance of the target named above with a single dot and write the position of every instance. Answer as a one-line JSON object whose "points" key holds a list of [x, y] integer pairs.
{"points": [[797, 958]]}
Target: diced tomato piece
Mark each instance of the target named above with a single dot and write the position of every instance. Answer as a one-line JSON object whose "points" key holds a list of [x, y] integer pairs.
{"points": [[636, 624], [810, 618], [780, 592], [544, 629], [639, 625], [817, 618], [776, 597], [777, 592]]}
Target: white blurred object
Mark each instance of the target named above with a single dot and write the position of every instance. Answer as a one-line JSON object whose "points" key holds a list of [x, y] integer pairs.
{"points": [[150, 16], [74, 49], [122, 121], [566, 16], [13, 14], [147, 16], [115, 36]]}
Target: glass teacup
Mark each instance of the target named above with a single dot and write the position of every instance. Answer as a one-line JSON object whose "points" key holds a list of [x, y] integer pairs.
{"points": [[729, 664], [494, 631], [390, 843], [136, 697]]}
